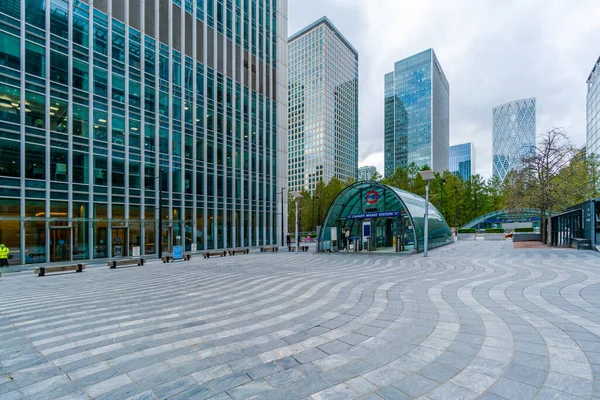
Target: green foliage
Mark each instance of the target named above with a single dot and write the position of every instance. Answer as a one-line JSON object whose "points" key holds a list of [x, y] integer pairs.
{"points": [[517, 230], [494, 230], [467, 230]]}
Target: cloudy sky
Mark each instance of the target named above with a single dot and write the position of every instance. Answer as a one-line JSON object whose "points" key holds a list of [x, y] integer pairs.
{"points": [[492, 52]]}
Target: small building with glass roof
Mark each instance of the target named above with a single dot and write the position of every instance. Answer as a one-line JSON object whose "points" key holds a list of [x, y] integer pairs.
{"points": [[372, 216]]}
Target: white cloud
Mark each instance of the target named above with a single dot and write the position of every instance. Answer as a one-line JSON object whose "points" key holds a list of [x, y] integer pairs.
{"points": [[491, 53], [374, 159]]}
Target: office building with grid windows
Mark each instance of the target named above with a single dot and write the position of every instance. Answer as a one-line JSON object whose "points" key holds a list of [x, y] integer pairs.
{"points": [[366, 173], [462, 160], [513, 135], [593, 111], [416, 114], [323, 107], [106, 105]]}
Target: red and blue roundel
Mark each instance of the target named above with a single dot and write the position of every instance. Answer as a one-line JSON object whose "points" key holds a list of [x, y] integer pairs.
{"points": [[372, 197]]}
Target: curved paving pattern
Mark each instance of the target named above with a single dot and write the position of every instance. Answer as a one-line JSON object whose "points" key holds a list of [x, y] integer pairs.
{"points": [[474, 320]]}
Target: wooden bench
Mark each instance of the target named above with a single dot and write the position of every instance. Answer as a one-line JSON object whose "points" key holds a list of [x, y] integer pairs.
{"points": [[302, 248], [269, 248], [233, 252], [133, 261], [42, 271], [166, 259], [207, 254], [187, 256]]}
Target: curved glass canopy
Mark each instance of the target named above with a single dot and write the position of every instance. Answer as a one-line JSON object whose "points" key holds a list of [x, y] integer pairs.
{"points": [[394, 218], [497, 218]]}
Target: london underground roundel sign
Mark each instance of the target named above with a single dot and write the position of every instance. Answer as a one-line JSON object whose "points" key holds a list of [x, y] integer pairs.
{"points": [[372, 197]]}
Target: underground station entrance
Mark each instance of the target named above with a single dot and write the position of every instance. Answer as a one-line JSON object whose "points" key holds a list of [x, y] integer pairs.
{"points": [[373, 217]]}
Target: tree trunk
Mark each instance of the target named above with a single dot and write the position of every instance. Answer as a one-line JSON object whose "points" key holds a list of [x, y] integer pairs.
{"points": [[543, 226]]}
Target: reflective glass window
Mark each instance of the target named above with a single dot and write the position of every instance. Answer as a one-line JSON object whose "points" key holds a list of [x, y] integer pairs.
{"points": [[10, 51], [35, 59]]}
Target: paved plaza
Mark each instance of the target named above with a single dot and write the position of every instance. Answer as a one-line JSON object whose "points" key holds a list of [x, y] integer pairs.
{"points": [[474, 320]]}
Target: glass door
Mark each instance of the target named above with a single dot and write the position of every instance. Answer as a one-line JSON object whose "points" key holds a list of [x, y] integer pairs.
{"points": [[167, 239], [60, 244], [120, 237]]}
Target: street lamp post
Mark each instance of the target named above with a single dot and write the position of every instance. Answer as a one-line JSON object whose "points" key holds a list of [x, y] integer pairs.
{"points": [[427, 176], [456, 209], [160, 205], [297, 196], [282, 230], [313, 211], [442, 181]]}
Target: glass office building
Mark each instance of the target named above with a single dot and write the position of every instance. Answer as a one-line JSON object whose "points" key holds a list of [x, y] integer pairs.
{"points": [[417, 114], [105, 107], [593, 111], [513, 135], [462, 160], [323, 107], [366, 173]]}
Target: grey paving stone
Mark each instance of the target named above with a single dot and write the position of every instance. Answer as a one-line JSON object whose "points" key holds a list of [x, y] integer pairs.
{"points": [[392, 393], [200, 392], [439, 372], [354, 369], [147, 395], [361, 386], [530, 376], [288, 362], [308, 386], [384, 376], [160, 378], [416, 385], [264, 370], [279, 394], [122, 392], [250, 390], [230, 381], [309, 355], [174, 387], [286, 378], [337, 392], [511, 389], [333, 347]]}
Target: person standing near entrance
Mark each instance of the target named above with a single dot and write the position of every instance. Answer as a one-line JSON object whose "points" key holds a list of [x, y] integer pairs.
{"points": [[347, 239], [4, 255], [288, 239]]}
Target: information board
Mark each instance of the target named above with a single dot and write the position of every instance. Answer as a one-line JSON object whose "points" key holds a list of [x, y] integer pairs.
{"points": [[177, 252]]}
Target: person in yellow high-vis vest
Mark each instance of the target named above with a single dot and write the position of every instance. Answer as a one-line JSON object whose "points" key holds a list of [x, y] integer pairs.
{"points": [[4, 255]]}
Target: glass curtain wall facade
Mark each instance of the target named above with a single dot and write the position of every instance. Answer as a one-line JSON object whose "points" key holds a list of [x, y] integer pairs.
{"points": [[323, 107], [416, 114], [462, 160], [593, 110], [104, 107], [366, 173], [513, 135]]}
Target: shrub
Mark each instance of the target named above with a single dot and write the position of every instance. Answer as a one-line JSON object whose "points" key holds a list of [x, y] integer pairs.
{"points": [[523, 229], [467, 230], [494, 230]]}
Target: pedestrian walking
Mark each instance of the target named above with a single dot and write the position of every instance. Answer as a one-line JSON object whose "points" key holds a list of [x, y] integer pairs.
{"points": [[288, 238], [347, 239], [4, 251]]}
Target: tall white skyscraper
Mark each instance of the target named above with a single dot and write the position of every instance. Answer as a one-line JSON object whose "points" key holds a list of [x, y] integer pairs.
{"points": [[513, 135], [323, 106]]}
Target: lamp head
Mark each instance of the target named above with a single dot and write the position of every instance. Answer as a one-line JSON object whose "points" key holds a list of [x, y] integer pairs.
{"points": [[427, 175], [298, 195]]}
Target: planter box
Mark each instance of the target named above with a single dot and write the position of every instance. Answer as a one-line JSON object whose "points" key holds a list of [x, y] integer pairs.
{"points": [[493, 236], [467, 236], [527, 237]]}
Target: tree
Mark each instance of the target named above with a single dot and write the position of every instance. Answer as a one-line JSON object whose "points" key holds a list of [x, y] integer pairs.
{"points": [[545, 172]]}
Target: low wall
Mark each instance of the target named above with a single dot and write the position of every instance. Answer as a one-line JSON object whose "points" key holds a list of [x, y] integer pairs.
{"points": [[467, 236], [527, 237]]}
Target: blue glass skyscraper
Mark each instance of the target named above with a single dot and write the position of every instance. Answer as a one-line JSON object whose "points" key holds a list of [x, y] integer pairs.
{"points": [[593, 110], [513, 132], [417, 114], [462, 160]]}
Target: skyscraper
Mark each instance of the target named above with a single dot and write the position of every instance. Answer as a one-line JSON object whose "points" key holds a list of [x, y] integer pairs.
{"points": [[593, 110], [366, 173], [462, 160], [104, 107], [323, 106], [417, 114], [513, 135]]}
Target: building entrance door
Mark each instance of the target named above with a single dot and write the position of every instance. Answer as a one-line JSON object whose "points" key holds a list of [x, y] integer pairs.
{"points": [[60, 244], [120, 239], [167, 239]]}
